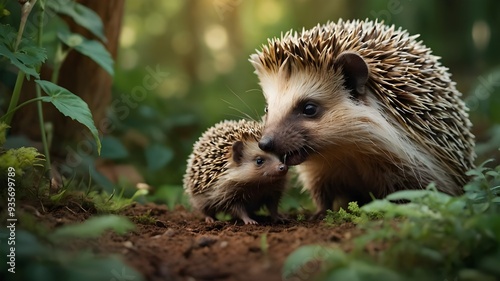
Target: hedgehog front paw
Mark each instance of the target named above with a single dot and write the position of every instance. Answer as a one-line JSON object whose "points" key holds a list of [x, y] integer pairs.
{"points": [[209, 219], [248, 220]]}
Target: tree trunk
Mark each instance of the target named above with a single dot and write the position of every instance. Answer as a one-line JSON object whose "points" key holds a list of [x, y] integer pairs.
{"points": [[81, 76]]}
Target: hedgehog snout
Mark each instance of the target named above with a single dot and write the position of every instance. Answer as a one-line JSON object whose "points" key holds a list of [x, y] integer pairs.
{"points": [[266, 143], [282, 168]]}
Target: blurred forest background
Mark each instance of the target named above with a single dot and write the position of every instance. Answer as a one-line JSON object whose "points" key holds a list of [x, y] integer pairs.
{"points": [[183, 65]]}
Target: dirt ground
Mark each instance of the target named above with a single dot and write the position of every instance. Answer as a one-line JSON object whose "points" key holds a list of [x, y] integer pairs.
{"points": [[179, 245]]}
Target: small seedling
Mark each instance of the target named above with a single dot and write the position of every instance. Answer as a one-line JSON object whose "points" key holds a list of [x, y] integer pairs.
{"points": [[145, 218]]}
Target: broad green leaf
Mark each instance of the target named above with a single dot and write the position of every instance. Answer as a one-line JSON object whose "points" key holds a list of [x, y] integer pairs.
{"points": [[157, 156], [94, 227], [417, 195], [380, 205], [82, 15], [70, 105], [91, 48], [26, 58]]}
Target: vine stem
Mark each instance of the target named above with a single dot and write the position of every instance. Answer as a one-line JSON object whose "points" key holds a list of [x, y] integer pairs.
{"points": [[15, 98], [37, 99], [58, 60], [43, 132], [25, 11]]}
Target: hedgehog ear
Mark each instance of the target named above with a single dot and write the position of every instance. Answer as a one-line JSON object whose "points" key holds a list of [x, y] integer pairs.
{"points": [[355, 71], [237, 151]]}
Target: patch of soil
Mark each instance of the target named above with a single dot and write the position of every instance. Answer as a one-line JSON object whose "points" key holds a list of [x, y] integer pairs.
{"points": [[179, 245]]}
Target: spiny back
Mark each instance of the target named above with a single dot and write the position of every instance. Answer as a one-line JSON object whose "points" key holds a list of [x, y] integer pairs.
{"points": [[212, 152]]}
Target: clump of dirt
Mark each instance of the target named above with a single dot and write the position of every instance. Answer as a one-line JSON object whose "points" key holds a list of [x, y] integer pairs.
{"points": [[179, 245]]}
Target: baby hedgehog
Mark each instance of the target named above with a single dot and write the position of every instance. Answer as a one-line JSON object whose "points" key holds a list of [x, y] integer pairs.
{"points": [[228, 172], [364, 108]]}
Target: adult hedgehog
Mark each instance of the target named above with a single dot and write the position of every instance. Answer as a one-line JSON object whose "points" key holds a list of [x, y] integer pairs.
{"points": [[363, 108]]}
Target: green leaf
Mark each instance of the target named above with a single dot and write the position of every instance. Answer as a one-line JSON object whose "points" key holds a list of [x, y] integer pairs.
{"points": [[91, 48], [418, 195], [157, 156], [38, 260], [94, 227], [70, 105], [105, 202], [380, 205], [58, 196], [171, 195], [26, 58], [82, 15]]}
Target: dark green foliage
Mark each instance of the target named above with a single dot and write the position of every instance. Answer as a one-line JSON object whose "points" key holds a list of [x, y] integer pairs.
{"points": [[353, 214], [71, 106], [27, 57], [434, 236], [82, 15], [46, 258]]}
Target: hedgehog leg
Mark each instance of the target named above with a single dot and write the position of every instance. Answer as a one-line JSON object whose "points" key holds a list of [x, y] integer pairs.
{"points": [[323, 197], [272, 205], [247, 220], [209, 215], [341, 202], [240, 212]]}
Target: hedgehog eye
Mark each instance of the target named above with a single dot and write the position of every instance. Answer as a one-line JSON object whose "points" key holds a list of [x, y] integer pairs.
{"points": [[259, 161], [265, 109], [310, 110]]}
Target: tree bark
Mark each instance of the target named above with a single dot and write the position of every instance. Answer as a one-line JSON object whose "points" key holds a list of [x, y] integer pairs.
{"points": [[80, 75]]}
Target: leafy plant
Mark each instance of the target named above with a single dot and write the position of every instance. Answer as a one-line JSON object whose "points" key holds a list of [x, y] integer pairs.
{"points": [[92, 228], [145, 218], [19, 159], [45, 258], [171, 195], [432, 237], [107, 203], [27, 55], [353, 214]]}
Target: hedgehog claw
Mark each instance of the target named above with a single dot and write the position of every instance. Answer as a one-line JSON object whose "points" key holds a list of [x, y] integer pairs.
{"points": [[209, 219], [249, 221]]}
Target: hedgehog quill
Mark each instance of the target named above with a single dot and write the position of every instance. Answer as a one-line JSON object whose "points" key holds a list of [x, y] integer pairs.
{"points": [[227, 172], [362, 108]]}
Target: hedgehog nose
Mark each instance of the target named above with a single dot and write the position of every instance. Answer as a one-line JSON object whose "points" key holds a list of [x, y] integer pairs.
{"points": [[266, 143], [282, 168]]}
